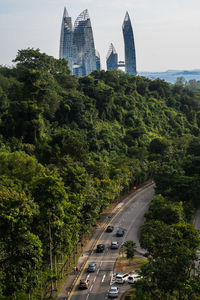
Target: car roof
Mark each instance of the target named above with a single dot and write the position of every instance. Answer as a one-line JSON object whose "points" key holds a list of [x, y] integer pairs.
{"points": [[92, 264], [122, 274], [114, 242]]}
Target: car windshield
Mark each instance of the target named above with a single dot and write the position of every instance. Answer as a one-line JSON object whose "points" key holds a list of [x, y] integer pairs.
{"points": [[113, 289], [91, 265]]}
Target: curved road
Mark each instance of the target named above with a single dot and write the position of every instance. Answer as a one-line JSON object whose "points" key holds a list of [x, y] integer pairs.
{"points": [[129, 216]]}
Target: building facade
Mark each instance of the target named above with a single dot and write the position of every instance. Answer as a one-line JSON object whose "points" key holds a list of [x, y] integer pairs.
{"points": [[98, 61], [129, 46], [112, 58], [77, 44]]}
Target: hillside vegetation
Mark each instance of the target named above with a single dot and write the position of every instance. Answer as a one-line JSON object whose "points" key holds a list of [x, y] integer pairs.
{"points": [[69, 146]]}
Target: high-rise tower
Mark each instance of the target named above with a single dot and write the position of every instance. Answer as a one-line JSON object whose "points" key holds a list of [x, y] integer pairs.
{"points": [[84, 43], [98, 60], [66, 39], [129, 46], [112, 58], [77, 44]]}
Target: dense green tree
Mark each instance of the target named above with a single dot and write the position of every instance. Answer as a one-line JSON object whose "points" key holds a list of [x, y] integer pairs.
{"points": [[171, 255], [21, 250], [97, 136], [130, 248]]}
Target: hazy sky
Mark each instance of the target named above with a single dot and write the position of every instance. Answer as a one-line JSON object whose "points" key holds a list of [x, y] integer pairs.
{"points": [[167, 32]]}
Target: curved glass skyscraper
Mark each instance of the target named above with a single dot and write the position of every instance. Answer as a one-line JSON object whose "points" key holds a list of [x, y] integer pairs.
{"points": [[112, 58], [77, 44], [129, 46], [66, 39], [98, 60]]}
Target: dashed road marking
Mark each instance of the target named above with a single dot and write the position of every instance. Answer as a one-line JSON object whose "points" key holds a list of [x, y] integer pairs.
{"points": [[103, 277], [87, 296], [91, 287]]}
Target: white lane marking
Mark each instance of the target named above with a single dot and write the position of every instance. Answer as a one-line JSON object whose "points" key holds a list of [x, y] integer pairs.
{"points": [[98, 271], [87, 276], [101, 264], [87, 296], [112, 278], [94, 278], [91, 287], [103, 277]]}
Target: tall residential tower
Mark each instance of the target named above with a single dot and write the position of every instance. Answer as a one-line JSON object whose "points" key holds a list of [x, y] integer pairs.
{"points": [[77, 44], [112, 58], [66, 39], [129, 46]]}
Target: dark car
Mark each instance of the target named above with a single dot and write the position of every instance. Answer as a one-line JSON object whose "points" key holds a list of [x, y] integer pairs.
{"points": [[120, 232], [109, 228], [84, 284], [100, 248], [91, 267]]}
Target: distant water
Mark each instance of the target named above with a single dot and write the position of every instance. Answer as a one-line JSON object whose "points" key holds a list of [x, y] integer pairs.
{"points": [[172, 75]]}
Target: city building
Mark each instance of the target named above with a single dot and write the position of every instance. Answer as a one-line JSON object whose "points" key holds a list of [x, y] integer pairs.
{"points": [[129, 50], [98, 61], [77, 44], [112, 58], [66, 39], [129, 46]]}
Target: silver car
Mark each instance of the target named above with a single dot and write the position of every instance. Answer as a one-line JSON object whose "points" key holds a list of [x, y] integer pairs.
{"points": [[114, 245], [113, 292]]}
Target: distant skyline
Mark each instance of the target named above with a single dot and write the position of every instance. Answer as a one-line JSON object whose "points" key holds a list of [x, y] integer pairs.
{"points": [[166, 32]]}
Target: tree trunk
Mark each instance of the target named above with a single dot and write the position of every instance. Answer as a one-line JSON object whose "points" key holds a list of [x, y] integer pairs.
{"points": [[55, 270], [62, 271], [51, 260]]}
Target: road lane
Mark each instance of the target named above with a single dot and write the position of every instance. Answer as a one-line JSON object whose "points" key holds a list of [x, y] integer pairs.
{"points": [[129, 216]]}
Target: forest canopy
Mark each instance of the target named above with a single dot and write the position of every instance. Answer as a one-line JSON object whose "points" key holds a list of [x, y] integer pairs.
{"points": [[69, 146]]}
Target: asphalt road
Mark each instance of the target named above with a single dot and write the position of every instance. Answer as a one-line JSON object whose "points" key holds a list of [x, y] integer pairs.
{"points": [[129, 216]]}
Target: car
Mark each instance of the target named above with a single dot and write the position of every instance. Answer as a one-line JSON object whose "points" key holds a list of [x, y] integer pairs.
{"points": [[100, 248], [91, 267], [109, 228], [113, 292], [114, 245], [133, 278], [84, 284], [120, 232], [121, 277]]}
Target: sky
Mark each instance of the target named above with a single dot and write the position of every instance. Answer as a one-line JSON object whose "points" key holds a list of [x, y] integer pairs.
{"points": [[166, 32]]}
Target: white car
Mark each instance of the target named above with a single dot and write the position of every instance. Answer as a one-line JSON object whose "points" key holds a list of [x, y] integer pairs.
{"points": [[113, 292], [114, 245], [133, 278], [121, 278]]}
